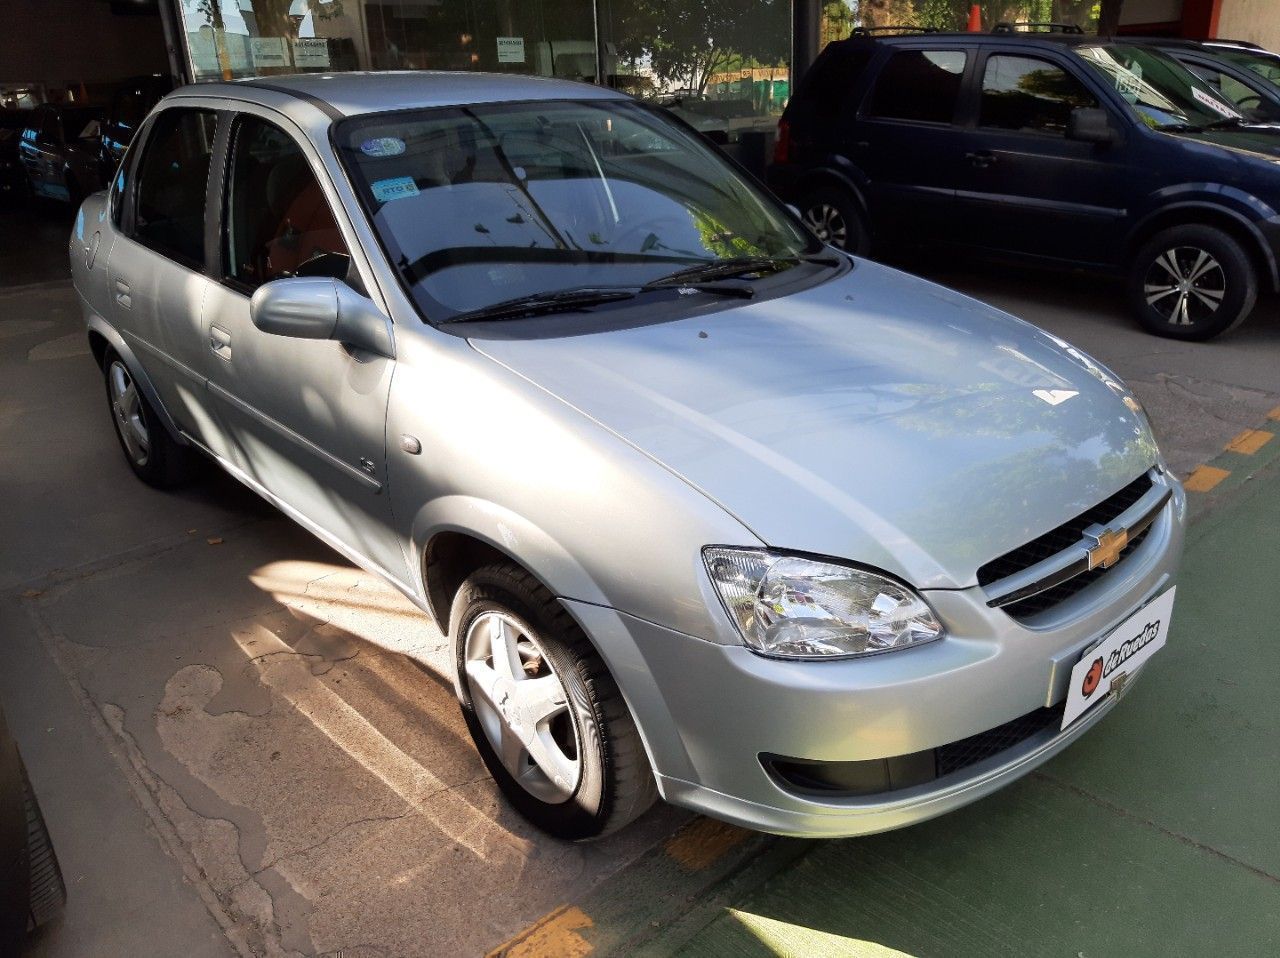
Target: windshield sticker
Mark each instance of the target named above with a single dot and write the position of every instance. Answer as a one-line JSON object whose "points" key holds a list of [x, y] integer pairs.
{"points": [[396, 188], [382, 146], [1129, 82], [1213, 103]]}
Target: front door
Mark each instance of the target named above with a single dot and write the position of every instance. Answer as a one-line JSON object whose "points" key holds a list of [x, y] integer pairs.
{"points": [[906, 142], [1025, 187], [306, 419]]}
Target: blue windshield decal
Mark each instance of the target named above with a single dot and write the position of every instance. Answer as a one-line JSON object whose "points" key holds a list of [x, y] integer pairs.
{"points": [[396, 188], [382, 146]]}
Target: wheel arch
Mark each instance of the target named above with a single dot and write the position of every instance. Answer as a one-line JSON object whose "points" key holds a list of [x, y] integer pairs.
{"points": [[105, 339], [832, 175], [1230, 221]]}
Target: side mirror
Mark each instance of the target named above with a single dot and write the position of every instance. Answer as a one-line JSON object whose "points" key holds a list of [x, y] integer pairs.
{"points": [[1090, 125], [321, 308]]}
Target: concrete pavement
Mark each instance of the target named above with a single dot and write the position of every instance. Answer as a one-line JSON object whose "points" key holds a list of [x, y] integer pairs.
{"points": [[244, 745]]}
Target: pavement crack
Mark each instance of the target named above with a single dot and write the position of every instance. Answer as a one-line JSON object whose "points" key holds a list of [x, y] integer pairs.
{"points": [[1169, 832], [371, 820]]}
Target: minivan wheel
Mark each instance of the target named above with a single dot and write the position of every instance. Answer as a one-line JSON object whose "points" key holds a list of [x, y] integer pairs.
{"points": [[835, 218], [151, 452], [546, 716], [1192, 282]]}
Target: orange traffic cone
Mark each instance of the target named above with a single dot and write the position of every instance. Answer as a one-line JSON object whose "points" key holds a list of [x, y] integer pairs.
{"points": [[975, 19]]}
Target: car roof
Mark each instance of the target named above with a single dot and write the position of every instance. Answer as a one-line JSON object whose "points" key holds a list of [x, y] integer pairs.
{"points": [[1044, 38], [351, 94]]}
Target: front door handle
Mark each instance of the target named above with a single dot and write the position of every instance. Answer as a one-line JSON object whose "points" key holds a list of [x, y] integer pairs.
{"points": [[220, 342], [122, 294], [981, 158]]}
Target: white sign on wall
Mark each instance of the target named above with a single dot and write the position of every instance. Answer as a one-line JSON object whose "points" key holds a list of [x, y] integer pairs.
{"points": [[311, 52], [511, 49], [269, 51]]}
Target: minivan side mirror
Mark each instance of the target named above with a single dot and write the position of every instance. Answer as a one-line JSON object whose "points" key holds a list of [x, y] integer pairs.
{"points": [[315, 307], [1090, 125]]}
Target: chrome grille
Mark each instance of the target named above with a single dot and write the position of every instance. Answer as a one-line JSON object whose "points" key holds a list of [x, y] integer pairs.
{"points": [[1055, 566]]}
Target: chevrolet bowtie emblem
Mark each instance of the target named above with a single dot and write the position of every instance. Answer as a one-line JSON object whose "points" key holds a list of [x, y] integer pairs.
{"points": [[1107, 552]]}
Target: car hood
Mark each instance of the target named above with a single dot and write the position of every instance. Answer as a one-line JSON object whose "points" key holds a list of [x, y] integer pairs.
{"points": [[1255, 139], [875, 417]]}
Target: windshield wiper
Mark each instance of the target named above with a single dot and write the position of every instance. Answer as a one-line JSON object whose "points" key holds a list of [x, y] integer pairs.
{"points": [[536, 304], [1226, 123], [722, 269]]}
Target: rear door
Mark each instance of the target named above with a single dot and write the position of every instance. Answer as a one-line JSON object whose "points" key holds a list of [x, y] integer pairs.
{"points": [[906, 140], [1025, 187], [156, 274]]}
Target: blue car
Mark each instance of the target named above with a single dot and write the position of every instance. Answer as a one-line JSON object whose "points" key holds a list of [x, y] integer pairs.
{"points": [[1059, 148]]}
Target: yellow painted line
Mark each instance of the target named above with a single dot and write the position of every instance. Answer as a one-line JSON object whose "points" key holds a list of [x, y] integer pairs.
{"points": [[1204, 478], [1274, 414], [702, 842], [1250, 441], [554, 935]]}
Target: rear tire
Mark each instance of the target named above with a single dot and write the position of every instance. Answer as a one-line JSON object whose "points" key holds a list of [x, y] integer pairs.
{"points": [[1192, 283], [591, 775], [835, 217], [154, 456]]}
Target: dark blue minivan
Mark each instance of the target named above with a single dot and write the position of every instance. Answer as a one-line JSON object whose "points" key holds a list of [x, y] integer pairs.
{"points": [[1056, 147]]}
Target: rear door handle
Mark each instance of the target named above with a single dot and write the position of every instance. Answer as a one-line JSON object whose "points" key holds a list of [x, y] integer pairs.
{"points": [[122, 294], [981, 158], [220, 342]]}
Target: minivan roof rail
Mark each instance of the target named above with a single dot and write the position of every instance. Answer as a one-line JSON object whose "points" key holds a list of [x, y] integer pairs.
{"points": [[1028, 26], [872, 31]]}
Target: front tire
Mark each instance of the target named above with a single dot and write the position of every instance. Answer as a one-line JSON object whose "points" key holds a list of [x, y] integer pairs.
{"points": [[1192, 283], [547, 718], [153, 455]]}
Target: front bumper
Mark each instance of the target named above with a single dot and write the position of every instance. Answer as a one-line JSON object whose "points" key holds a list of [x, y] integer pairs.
{"points": [[708, 712]]}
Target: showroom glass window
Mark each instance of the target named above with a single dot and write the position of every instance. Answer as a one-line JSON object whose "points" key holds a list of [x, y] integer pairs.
{"points": [[1030, 95], [169, 197], [278, 222], [919, 85]]}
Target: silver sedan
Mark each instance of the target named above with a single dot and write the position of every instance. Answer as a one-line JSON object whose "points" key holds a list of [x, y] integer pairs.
{"points": [[710, 511]]}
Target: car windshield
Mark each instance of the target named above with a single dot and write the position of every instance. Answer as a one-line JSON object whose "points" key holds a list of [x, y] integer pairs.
{"points": [[480, 205], [1161, 92], [1265, 65]]}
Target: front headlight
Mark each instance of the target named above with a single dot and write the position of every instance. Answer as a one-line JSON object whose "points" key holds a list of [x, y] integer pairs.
{"points": [[805, 609]]}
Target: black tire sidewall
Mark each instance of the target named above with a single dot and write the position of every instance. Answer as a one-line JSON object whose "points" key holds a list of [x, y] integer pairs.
{"points": [[168, 464], [586, 813], [1238, 270], [859, 242]]}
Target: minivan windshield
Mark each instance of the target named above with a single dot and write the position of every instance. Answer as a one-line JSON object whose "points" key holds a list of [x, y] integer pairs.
{"points": [[1265, 65], [1161, 91], [485, 204]]}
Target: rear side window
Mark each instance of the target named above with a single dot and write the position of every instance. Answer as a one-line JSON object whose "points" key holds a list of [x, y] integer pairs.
{"points": [[278, 221], [921, 85], [171, 181], [1030, 95]]}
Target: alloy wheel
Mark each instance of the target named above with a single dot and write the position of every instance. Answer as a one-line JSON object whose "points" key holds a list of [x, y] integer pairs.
{"points": [[828, 224], [1185, 285], [523, 707], [126, 407]]}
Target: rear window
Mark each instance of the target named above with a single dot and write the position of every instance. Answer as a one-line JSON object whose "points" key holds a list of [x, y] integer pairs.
{"points": [[834, 77], [920, 85]]}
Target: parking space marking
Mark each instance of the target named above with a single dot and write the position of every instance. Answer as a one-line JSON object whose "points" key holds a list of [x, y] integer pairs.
{"points": [[1274, 414], [703, 842], [554, 935], [1250, 441], [1205, 478]]}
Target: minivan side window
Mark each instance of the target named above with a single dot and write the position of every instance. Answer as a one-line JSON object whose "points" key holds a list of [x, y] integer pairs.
{"points": [[170, 192], [1030, 95], [278, 222], [921, 85]]}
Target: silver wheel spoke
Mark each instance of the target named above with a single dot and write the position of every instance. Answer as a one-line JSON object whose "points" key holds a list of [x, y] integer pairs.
{"points": [[1169, 261], [506, 660], [1204, 263], [1210, 297], [541, 698], [483, 680], [511, 751], [560, 770], [1180, 311], [1157, 293]]}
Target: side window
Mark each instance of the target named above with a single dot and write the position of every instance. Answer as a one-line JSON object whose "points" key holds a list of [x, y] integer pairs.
{"points": [[278, 221], [171, 180], [1030, 95], [921, 85]]}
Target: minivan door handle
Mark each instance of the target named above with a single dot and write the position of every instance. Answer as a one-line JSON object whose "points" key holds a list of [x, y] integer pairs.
{"points": [[981, 158], [220, 342], [122, 294]]}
